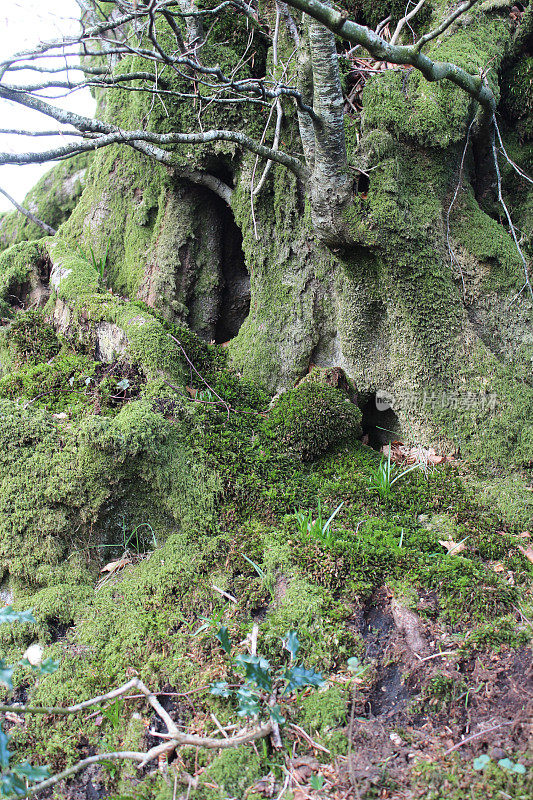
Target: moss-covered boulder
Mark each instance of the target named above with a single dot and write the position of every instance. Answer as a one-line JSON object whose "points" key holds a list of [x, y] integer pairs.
{"points": [[311, 418], [51, 200]]}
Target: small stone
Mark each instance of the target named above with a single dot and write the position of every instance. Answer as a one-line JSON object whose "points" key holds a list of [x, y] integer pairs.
{"points": [[395, 739], [496, 753], [34, 654]]}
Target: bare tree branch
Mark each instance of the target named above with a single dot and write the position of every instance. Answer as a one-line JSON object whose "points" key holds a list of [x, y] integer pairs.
{"points": [[46, 228], [338, 22]]}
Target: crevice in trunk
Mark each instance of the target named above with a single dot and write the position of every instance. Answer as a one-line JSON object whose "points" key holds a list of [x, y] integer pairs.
{"points": [[234, 302], [379, 423]]}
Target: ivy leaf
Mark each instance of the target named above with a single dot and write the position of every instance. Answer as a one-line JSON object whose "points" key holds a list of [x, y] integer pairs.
{"points": [[48, 667], [510, 766], [11, 784], [276, 715], [481, 762], [220, 689], [8, 615], [31, 773], [248, 703], [124, 384], [291, 644], [256, 669], [223, 638], [6, 675], [299, 676], [5, 754]]}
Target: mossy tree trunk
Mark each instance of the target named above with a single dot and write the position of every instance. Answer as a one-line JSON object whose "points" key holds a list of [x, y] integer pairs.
{"points": [[385, 255]]}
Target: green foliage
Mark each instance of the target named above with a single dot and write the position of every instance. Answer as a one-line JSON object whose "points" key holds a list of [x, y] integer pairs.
{"points": [[311, 418], [260, 683], [385, 475], [316, 528], [30, 338], [15, 776]]}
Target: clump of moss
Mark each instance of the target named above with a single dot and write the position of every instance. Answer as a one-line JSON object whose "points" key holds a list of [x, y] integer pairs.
{"points": [[19, 272], [233, 771], [30, 338], [311, 418]]}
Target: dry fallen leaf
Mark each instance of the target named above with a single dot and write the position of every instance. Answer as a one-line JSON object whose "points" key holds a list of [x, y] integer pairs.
{"points": [[113, 566], [497, 566], [453, 547], [527, 551]]}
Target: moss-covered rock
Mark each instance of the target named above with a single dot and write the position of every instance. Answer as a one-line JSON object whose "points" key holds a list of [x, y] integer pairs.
{"points": [[51, 200], [311, 418]]}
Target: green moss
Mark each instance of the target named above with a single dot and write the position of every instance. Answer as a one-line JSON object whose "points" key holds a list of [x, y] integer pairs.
{"points": [[436, 114], [495, 635], [233, 771], [19, 272], [454, 779], [311, 610], [509, 496], [51, 200], [324, 708], [311, 418], [29, 339]]}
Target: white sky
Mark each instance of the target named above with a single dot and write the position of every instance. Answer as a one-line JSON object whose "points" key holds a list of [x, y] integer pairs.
{"points": [[23, 24]]}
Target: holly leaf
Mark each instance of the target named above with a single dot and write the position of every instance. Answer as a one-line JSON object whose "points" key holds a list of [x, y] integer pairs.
{"points": [[297, 677], [8, 615], [223, 638], [220, 689], [6, 675], [256, 669], [291, 644], [11, 784], [5, 754], [248, 703], [276, 715], [47, 667], [31, 773]]}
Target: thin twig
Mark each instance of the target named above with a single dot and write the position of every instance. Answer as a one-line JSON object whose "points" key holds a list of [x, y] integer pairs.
{"points": [[477, 735], [36, 221]]}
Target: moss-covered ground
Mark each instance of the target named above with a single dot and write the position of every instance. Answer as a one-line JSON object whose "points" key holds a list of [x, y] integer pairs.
{"points": [[194, 484], [152, 490]]}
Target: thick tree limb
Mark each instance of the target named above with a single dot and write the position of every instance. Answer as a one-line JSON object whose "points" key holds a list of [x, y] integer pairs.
{"points": [[337, 22]]}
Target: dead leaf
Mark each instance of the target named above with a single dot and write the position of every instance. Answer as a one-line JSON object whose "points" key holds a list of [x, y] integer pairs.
{"points": [[302, 774], [113, 566], [527, 552], [453, 547], [497, 566], [15, 719]]}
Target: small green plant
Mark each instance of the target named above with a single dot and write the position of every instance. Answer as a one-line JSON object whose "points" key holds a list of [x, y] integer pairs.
{"points": [[316, 528], [257, 695], [484, 760], [262, 574], [386, 475], [100, 263], [112, 714], [137, 541], [316, 782], [15, 776]]}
